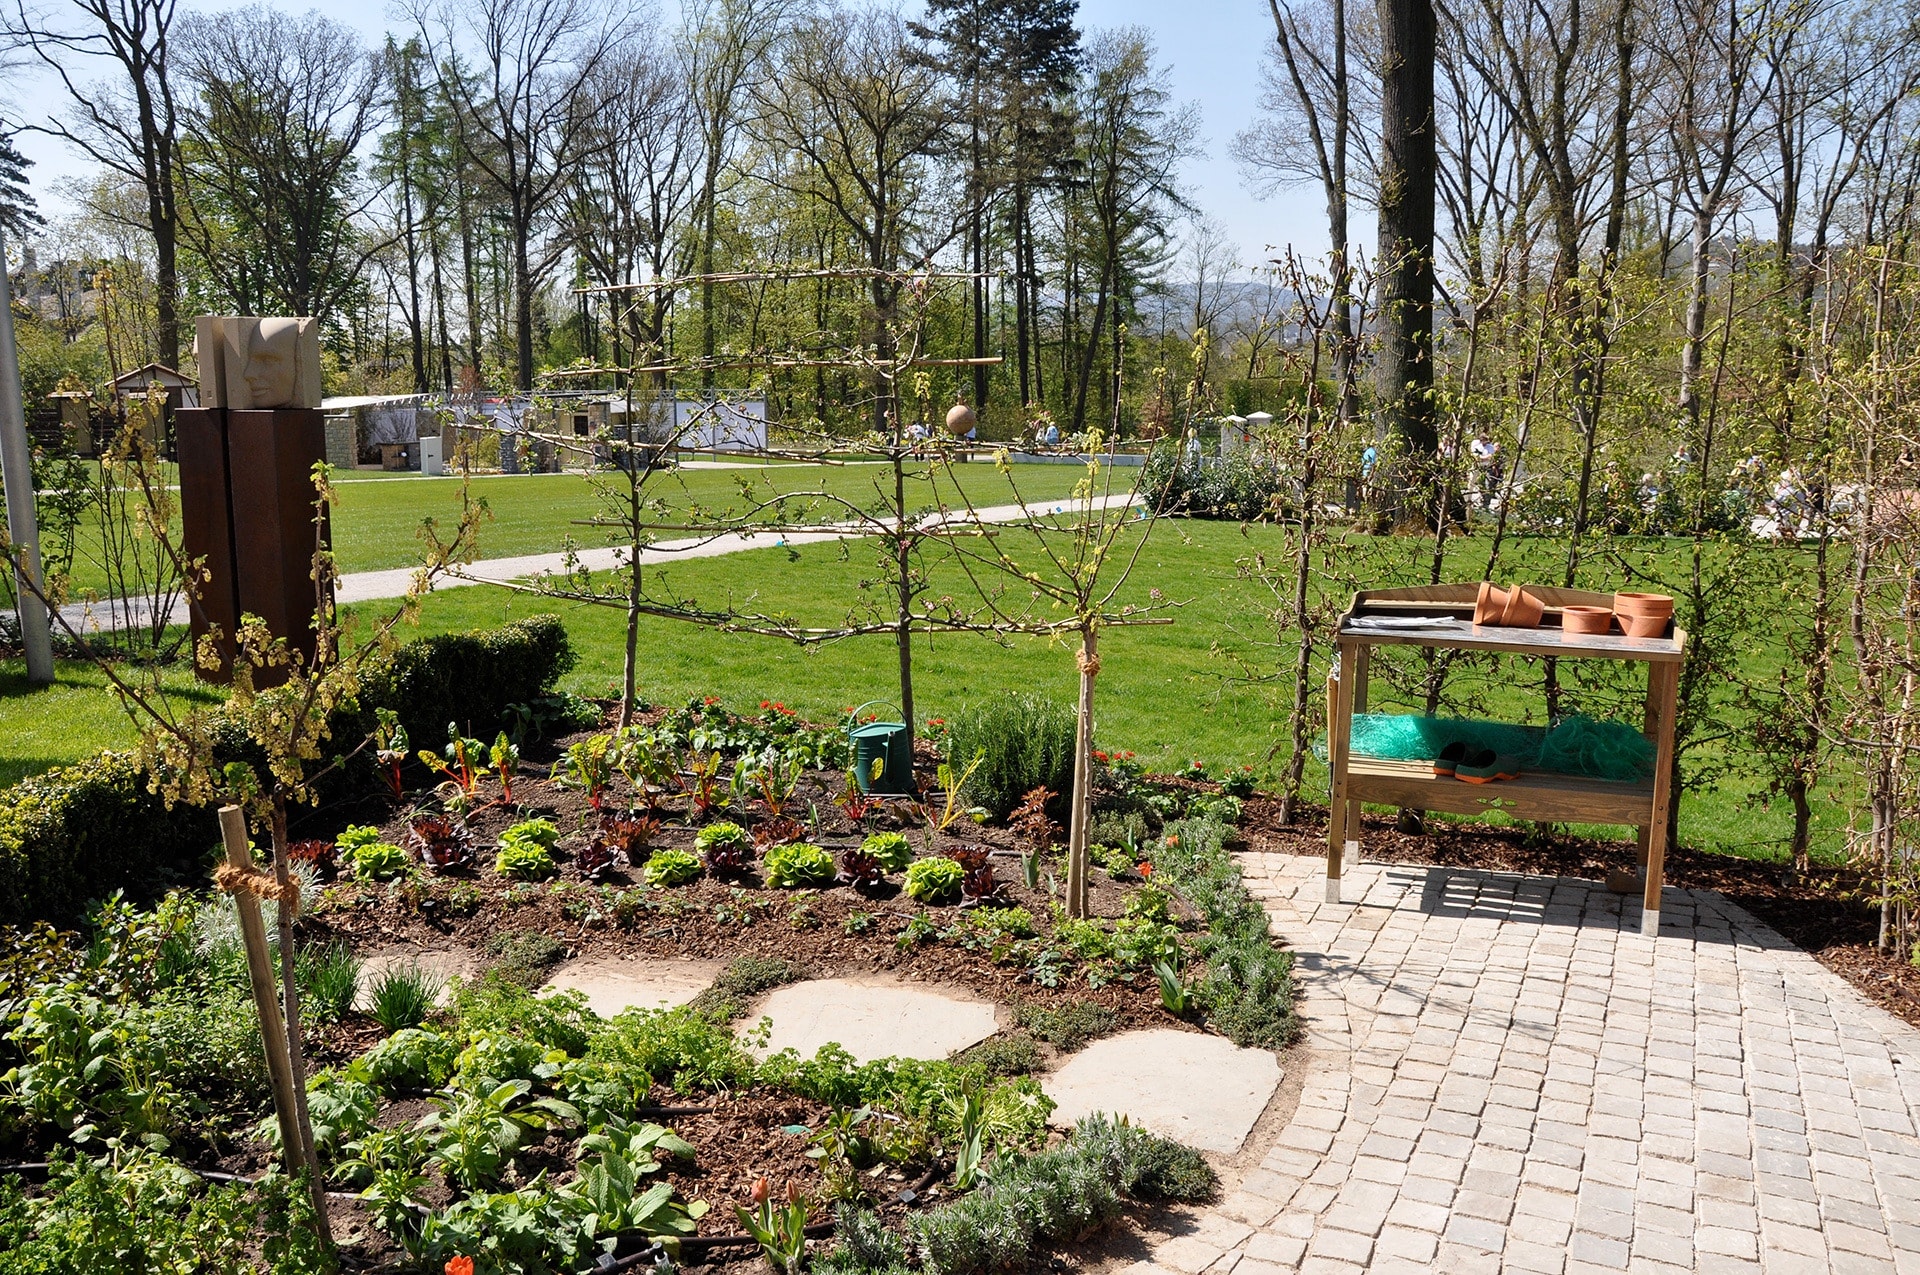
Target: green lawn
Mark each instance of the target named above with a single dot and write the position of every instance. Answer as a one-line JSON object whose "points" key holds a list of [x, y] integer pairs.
{"points": [[377, 522], [1206, 686], [74, 718]]}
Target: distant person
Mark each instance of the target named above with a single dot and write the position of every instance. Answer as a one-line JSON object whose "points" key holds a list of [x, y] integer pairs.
{"points": [[1052, 435]]}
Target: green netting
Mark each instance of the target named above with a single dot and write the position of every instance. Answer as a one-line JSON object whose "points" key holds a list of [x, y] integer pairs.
{"points": [[1577, 746]]}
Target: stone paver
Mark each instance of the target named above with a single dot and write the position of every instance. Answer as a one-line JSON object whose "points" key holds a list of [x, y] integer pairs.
{"points": [[443, 963], [1506, 1076], [872, 1018], [612, 984], [1203, 1090]]}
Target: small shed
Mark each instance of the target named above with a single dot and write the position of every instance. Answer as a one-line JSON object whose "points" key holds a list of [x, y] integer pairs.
{"points": [[130, 388]]}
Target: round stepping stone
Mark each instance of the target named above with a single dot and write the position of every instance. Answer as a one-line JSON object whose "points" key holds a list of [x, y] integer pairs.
{"points": [[612, 984], [443, 963], [1204, 1091], [872, 1019]]}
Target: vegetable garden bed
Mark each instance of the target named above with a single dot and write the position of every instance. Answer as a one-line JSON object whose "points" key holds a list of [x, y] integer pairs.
{"points": [[526, 1133]]}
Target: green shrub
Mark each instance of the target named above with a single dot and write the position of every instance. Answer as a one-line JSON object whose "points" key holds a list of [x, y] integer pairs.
{"points": [[92, 1070], [1070, 1026], [472, 679], [1024, 741], [862, 1245], [208, 1044], [892, 849], [934, 881], [498, 1002], [931, 1090], [402, 996], [1148, 1166], [1214, 805], [668, 868], [799, 866], [78, 833]]}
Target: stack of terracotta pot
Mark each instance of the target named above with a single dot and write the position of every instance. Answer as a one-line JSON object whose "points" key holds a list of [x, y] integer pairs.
{"points": [[1643, 615], [1513, 608], [1639, 614]]}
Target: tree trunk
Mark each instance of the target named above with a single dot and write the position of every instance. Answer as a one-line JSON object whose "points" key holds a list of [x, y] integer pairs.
{"points": [[1076, 902], [1406, 212], [522, 305]]}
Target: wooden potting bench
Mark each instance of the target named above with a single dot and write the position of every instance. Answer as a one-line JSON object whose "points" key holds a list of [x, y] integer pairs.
{"points": [[1537, 795]]}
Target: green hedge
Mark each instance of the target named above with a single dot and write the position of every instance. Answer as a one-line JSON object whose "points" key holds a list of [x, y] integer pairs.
{"points": [[471, 678], [78, 833]]}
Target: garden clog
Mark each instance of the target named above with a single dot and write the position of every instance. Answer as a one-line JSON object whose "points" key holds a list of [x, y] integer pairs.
{"points": [[1485, 767], [1449, 758]]}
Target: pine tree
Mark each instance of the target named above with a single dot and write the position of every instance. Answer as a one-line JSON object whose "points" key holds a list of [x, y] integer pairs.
{"points": [[18, 215]]}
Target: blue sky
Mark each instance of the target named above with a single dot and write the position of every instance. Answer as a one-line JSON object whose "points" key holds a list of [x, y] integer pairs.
{"points": [[1213, 49]]}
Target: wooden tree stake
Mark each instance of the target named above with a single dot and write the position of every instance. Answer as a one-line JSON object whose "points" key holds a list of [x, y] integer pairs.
{"points": [[266, 997]]}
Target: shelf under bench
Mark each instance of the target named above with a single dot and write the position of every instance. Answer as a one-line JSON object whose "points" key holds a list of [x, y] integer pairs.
{"points": [[1537, 795]]}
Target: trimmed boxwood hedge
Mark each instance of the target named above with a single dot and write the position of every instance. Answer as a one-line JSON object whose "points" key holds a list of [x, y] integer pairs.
{"points": [[471, 678], [78, 833]]}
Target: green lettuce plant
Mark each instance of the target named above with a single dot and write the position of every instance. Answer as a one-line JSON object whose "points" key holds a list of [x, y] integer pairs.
{"points": [[799, 866], [934, 881]]}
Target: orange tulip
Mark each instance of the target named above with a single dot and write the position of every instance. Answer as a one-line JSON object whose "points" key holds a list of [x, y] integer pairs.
{"points": [[460, 1266], [760, 1192]]}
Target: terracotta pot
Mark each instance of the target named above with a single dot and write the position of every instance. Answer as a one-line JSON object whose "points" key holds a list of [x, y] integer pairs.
{"points": [[1489, 604], [1645, 626], [1524, 611], [1575, 621], [1659, 604]]}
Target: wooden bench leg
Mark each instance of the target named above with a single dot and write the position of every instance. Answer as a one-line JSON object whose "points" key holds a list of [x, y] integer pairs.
{"points": [[1664, 692], [1339, 733]]}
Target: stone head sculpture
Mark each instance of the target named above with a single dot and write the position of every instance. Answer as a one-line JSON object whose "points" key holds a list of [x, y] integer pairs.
{"points": [[258, 363]]}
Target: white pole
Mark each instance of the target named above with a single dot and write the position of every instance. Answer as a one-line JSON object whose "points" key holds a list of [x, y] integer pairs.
{"points": [[16, 468]]}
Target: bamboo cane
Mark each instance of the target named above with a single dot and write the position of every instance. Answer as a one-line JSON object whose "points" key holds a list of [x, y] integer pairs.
{"points": [[266, 997]]}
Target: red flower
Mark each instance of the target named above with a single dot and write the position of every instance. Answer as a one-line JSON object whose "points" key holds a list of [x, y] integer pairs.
{"points": [[765, 704], [1100, 756], [1174, 840], [1146, 870], [711, 700], [761, 1191], [460, 1266]]}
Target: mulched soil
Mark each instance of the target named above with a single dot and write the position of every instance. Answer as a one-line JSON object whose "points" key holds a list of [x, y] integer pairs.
{"points": [[1827, 913]]}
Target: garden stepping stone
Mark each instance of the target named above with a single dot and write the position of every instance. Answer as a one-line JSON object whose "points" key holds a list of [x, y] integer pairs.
{"points": [[444, 963], [612, 984], [872, 1018], [1204, 1091]]}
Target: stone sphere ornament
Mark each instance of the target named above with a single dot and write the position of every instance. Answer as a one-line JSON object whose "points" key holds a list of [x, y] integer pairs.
{"points": [[960, 419]]}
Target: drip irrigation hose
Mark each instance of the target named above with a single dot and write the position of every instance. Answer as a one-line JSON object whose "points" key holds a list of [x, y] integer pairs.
{"points": [[38, 1169]]}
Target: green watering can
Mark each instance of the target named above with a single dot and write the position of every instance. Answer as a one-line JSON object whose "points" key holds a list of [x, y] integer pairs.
{"points": [[882, 753]]}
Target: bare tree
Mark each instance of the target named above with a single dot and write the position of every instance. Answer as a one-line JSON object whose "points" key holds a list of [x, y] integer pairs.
{"points": [[858, 116], [275, 110], [1312, 117], [633, 202], [525, 116], [126, 123]]}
